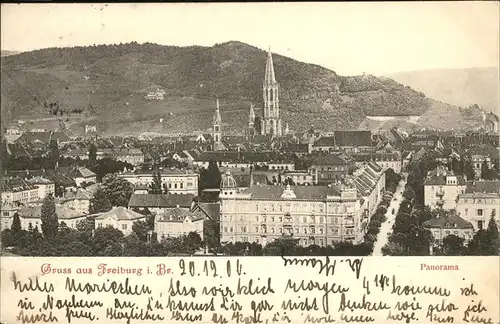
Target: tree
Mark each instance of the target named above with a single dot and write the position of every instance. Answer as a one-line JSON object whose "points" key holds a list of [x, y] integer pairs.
{"points": [[453, 245], [99, 203], [211, 233], [118, 190], [107, 241], [92, 153], [210, 178], [16, 224], [141, 229], [469, 171], [53, 151], [485, 172], [156, 187], [492, 232], [50, 222]]}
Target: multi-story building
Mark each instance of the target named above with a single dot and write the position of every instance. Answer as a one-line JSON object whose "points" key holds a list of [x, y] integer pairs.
{"points": [[132, 156], [31, 216], [45, 186], [18, 190], [385, 159], [299, 177], [442, 187], [178, 222], [480, 201], [174, 180], [160, 203], [120, 218], [327, 168], [451, 224], [321, 215]]}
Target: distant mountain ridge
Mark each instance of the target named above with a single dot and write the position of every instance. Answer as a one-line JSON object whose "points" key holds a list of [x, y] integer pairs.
{"points": [[108, 82], [8, 53], [460, 87]]}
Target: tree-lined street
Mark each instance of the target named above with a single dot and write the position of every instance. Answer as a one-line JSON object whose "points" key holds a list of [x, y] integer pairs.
{"points": [[386, 227]]}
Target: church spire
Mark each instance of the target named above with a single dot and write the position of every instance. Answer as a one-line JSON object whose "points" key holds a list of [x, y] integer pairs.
{"points": [[269, 78], [217, 129], [251, 117], [217, 118]]}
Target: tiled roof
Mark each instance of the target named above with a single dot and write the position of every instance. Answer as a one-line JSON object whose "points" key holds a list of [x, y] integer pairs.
{"points": [[40, 180], [79, 194], [450, 221], [353, 138], [438, 176], [161, 200], [328, 159], [80, 172], [325, 141], [16, 185], [179, 215], [301, 192], [483, 186], [211, 210], [62, 212], [121, 213]]}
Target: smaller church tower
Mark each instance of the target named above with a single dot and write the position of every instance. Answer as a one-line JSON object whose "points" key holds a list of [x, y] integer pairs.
{"points": [[217, 128], [251, 123]]}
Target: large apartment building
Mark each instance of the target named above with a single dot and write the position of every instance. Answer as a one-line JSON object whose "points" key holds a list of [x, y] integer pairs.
{"points": [[321, 215], [174, 180]]}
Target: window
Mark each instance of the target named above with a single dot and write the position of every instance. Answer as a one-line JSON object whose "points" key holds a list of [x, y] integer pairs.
{"points": [[256, 229], [6, 213], [272, 218], [231, 229], [304, 219], [466, 211], [256, 218], [225, 229], [100, 225], [175, 186], [244, 239], [189, 184], [480, 224], [479, 212], [244, 229], [182, 185], [170, 186], [280, 219], [305, 230], [124, 226]]}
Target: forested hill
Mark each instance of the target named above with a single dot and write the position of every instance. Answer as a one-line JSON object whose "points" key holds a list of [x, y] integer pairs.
{"points": [[107, 83]]}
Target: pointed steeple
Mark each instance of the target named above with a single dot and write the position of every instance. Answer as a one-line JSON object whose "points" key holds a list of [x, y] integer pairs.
{"points": [[217, 118], [251, 116], [269, 78]]}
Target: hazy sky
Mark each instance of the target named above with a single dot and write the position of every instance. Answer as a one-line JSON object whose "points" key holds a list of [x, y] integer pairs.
{"points": [[350, 38]]}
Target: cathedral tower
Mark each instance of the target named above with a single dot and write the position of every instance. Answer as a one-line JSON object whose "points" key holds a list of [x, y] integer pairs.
{"points": [[217, 128], [271, 121]]}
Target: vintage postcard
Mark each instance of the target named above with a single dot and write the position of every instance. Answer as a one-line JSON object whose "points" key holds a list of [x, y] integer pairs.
{"points": [[250, 163]]}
